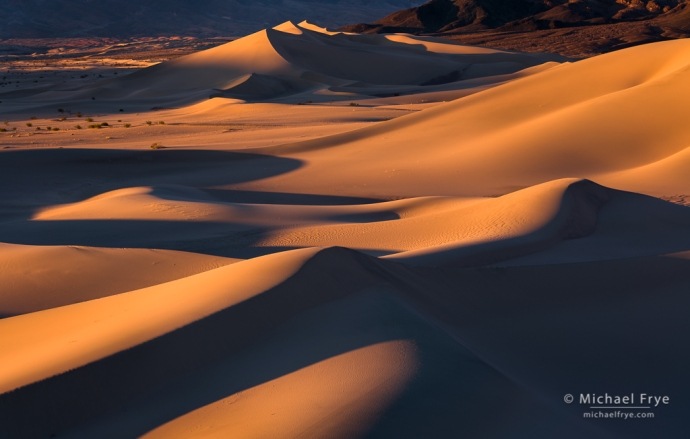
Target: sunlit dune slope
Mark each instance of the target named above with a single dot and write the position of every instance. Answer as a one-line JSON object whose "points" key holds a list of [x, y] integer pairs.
{"points": [[598, 118], [105, 326], [33, 278]]}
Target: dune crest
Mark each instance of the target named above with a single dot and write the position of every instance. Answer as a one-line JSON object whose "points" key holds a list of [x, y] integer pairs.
{"points": [[297, 62]]}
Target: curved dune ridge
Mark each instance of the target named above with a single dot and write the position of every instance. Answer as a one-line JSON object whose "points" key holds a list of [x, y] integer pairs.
{"points": [[309, 63], [425, 230], [453, 272]]}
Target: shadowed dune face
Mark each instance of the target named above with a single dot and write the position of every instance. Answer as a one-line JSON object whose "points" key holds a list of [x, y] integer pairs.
{"points": [[452, 272], [473, 349]]}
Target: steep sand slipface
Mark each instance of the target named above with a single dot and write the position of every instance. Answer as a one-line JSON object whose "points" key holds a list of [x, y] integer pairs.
{"points": [[509, 275]]}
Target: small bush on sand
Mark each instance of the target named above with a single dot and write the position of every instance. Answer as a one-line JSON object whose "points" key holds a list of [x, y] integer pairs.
{"points": [[56, 129], [3, 130], [104, 124], [29, 124], [161, 123], [157, 146], [89, 119], [127, 125], [148, 122], [77, 127], [95, 126]]}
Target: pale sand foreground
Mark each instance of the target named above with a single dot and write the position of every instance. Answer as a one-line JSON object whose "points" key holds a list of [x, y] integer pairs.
{"points": [[398, 268]]}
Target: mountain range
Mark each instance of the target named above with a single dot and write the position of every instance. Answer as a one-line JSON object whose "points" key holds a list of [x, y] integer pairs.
{"points": [[439, 16], [201, 18], [574, 28]]}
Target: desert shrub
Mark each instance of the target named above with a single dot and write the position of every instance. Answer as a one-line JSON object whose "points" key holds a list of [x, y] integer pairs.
{"points": [[89, 119], [95, 126], [156, 146], [38, 128], [104, 124], [56, 129], [161, 123], [78, 114], [29, 124], [3, 130], [77, 127], [148, 122], [127, 125], [354, 104]]}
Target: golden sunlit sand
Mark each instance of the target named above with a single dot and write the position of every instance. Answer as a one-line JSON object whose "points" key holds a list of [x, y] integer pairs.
{"points": [[315, 234]]}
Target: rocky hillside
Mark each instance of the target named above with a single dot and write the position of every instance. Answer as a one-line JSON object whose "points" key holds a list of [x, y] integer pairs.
{"points": [[439, 16]]}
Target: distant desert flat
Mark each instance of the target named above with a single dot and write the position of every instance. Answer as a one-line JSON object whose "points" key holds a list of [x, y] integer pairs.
{"points": [[314, 234]]}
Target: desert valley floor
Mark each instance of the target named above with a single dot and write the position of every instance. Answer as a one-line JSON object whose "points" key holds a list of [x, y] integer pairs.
{"points": [[314, 234]]}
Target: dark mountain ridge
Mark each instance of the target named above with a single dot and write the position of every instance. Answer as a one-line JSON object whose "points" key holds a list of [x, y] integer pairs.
{"points": [[199, 18], [442, 16]]}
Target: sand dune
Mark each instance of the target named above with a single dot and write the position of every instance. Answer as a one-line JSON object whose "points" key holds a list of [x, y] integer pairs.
{"points": [[367, 304], [375, 264], [426, 230], [594, 118], [36, 278], [300, 62]]}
